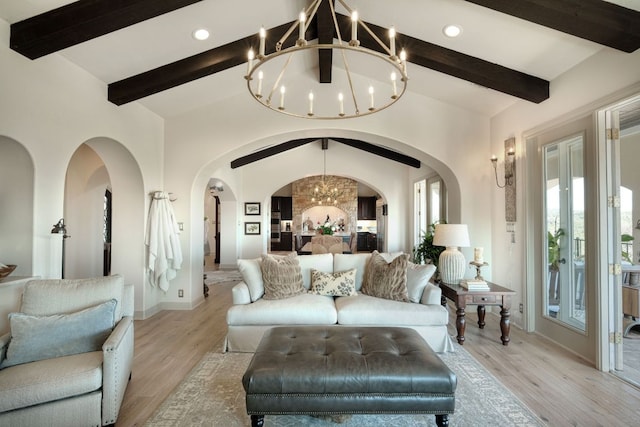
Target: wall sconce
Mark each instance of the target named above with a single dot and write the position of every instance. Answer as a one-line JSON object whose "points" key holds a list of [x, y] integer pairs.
{"points": [[509, 162]]}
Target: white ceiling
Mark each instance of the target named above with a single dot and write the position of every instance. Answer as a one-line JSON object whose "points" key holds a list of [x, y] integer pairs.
{"points": [[489, 35]]}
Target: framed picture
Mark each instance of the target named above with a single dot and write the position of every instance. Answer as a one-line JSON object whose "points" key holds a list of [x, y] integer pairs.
{"points": [[252, 228], [252, 208]]}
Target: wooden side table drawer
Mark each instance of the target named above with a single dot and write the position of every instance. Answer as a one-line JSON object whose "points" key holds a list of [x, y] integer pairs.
{"points": [[483, 299]]}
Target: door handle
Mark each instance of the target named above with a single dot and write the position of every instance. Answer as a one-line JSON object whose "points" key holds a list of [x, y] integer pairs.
{"points": [[562, 261]]}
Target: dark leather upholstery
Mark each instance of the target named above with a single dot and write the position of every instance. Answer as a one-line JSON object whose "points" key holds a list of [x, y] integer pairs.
{"points": [[334, 369]]}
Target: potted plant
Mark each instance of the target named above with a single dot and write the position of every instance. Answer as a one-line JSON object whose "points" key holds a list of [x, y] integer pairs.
{"points": [[426, 252]]}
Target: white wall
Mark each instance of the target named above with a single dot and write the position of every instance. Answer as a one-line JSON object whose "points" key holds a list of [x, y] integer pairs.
{"points": [[578, 92], [52, 107]]}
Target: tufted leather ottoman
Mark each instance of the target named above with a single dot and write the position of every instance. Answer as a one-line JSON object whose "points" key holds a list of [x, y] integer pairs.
{"points": [[325, 370]]}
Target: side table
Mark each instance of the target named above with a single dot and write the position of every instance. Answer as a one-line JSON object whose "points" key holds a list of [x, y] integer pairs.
{"points": [[495, 296]]}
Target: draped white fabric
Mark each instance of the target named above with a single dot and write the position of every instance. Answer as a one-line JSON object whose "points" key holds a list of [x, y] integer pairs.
{"points": [[164, 255]]}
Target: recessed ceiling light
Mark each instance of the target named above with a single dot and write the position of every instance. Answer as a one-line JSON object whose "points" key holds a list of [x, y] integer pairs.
{"points": [[201, 34], [452, 30]]}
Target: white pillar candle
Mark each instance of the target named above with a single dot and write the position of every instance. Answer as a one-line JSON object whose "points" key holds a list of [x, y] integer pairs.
{"points": [[478, 255]]}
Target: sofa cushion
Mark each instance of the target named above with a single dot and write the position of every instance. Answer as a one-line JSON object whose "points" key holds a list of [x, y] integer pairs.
{"points": [[418, 276], [367, 310], [386, 280], [252, 276], [342, 262], [44, 297], [36, 338], [281, 276], [342, 283], [48, 380], [304, 309], [320, 262]]}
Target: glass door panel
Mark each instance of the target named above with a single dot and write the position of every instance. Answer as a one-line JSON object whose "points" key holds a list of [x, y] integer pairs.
{"points": [[564, 229]]}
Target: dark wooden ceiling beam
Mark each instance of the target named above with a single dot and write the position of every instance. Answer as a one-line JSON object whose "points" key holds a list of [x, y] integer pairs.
{"points": [[380, 151], [195, 67], [602, 22], [466, 67], [83, 20], [326, 30], [270, 151]]}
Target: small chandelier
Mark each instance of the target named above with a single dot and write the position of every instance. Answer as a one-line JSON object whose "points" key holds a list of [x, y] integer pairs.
{"points": [[324, 193], [355, 96]]}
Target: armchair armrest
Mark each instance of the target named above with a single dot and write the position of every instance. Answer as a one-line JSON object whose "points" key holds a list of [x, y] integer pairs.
{"points": [[116, 368], [432, 294], [240, 294]]}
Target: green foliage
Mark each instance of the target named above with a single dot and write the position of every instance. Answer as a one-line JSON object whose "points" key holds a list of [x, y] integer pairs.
{"points": [[553, 241], [626, 238], [426, 251]]}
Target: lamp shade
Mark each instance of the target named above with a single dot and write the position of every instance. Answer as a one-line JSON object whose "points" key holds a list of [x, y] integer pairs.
{"points": [[451, 235]]}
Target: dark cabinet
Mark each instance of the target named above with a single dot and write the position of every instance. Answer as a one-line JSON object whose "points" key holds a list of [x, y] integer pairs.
{"points": [[284, 205], [286, 241], [367, 208]]}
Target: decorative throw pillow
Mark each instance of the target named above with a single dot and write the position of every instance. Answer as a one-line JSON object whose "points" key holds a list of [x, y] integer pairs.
{"points": [[252, 276], [282, 276], [418, 276], [36, 338], [340, 284], [386, 280]]}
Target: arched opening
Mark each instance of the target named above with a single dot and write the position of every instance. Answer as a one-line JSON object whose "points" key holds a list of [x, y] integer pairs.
{"points": [[16, 209]]}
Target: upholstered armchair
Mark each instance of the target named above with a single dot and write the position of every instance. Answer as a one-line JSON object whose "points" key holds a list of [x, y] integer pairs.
{"points": [[326, 244], [67, 360]]}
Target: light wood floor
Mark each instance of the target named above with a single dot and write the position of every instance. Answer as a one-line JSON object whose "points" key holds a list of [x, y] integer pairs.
{"points": [[560, 387]]}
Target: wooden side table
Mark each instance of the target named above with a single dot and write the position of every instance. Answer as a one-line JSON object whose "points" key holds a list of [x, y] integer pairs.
{"points": [[495, 296]]}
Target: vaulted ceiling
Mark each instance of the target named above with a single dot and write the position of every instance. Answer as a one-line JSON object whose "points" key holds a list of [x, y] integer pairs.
{"points": [[143, 50]]}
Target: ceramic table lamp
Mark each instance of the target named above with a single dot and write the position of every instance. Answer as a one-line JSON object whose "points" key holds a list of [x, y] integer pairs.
{"points": [[451, 262]]}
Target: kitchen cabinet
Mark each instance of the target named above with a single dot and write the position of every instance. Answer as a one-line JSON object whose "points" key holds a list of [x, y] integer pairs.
{"points": [[286, 241], [366, 241], [284, 205], [366, 208]]}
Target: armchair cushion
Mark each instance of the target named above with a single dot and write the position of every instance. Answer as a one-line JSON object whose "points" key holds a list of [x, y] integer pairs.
{"points": [[36, 338]]}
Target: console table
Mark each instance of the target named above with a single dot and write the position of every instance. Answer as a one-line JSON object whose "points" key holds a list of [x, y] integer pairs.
{"points": [[495, 296]]}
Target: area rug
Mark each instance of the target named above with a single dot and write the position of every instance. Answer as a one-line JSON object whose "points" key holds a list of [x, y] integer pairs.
{"points": [[222, 276], [212, 395]]}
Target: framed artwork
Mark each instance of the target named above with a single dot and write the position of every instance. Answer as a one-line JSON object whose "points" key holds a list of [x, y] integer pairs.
{"points": [[252, 228], [252, 208]]}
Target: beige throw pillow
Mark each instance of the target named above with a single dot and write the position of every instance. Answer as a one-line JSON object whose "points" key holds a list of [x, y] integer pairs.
{"points": [[340, 284], [282, 276], [386, 280]]}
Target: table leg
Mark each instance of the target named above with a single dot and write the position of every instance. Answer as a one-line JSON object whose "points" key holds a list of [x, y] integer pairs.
{"points": [[481, 312], [442, 420], [505, 325], [460, 324], [257, 420]]}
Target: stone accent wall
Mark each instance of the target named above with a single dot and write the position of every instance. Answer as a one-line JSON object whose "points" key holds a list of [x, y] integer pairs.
{"points": [[302, 189]]}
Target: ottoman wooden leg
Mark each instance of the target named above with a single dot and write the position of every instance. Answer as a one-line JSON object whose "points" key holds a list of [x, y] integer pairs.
{"points": [[258, 420], [442, 420]]}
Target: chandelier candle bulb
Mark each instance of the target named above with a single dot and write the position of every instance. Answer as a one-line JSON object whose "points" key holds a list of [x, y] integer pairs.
{"points": [[260, 78], [478, 255], [263, 36], [403, 59], [282, 91], [393, 83], [311, 103], [392, 41], [250, 57], [354, 25], [303, 18], [341, 102], [371, 102]]}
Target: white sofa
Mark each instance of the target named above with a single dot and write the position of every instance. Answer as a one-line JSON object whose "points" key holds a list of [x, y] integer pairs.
{"points": [[251, 315], [81, 388]]}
